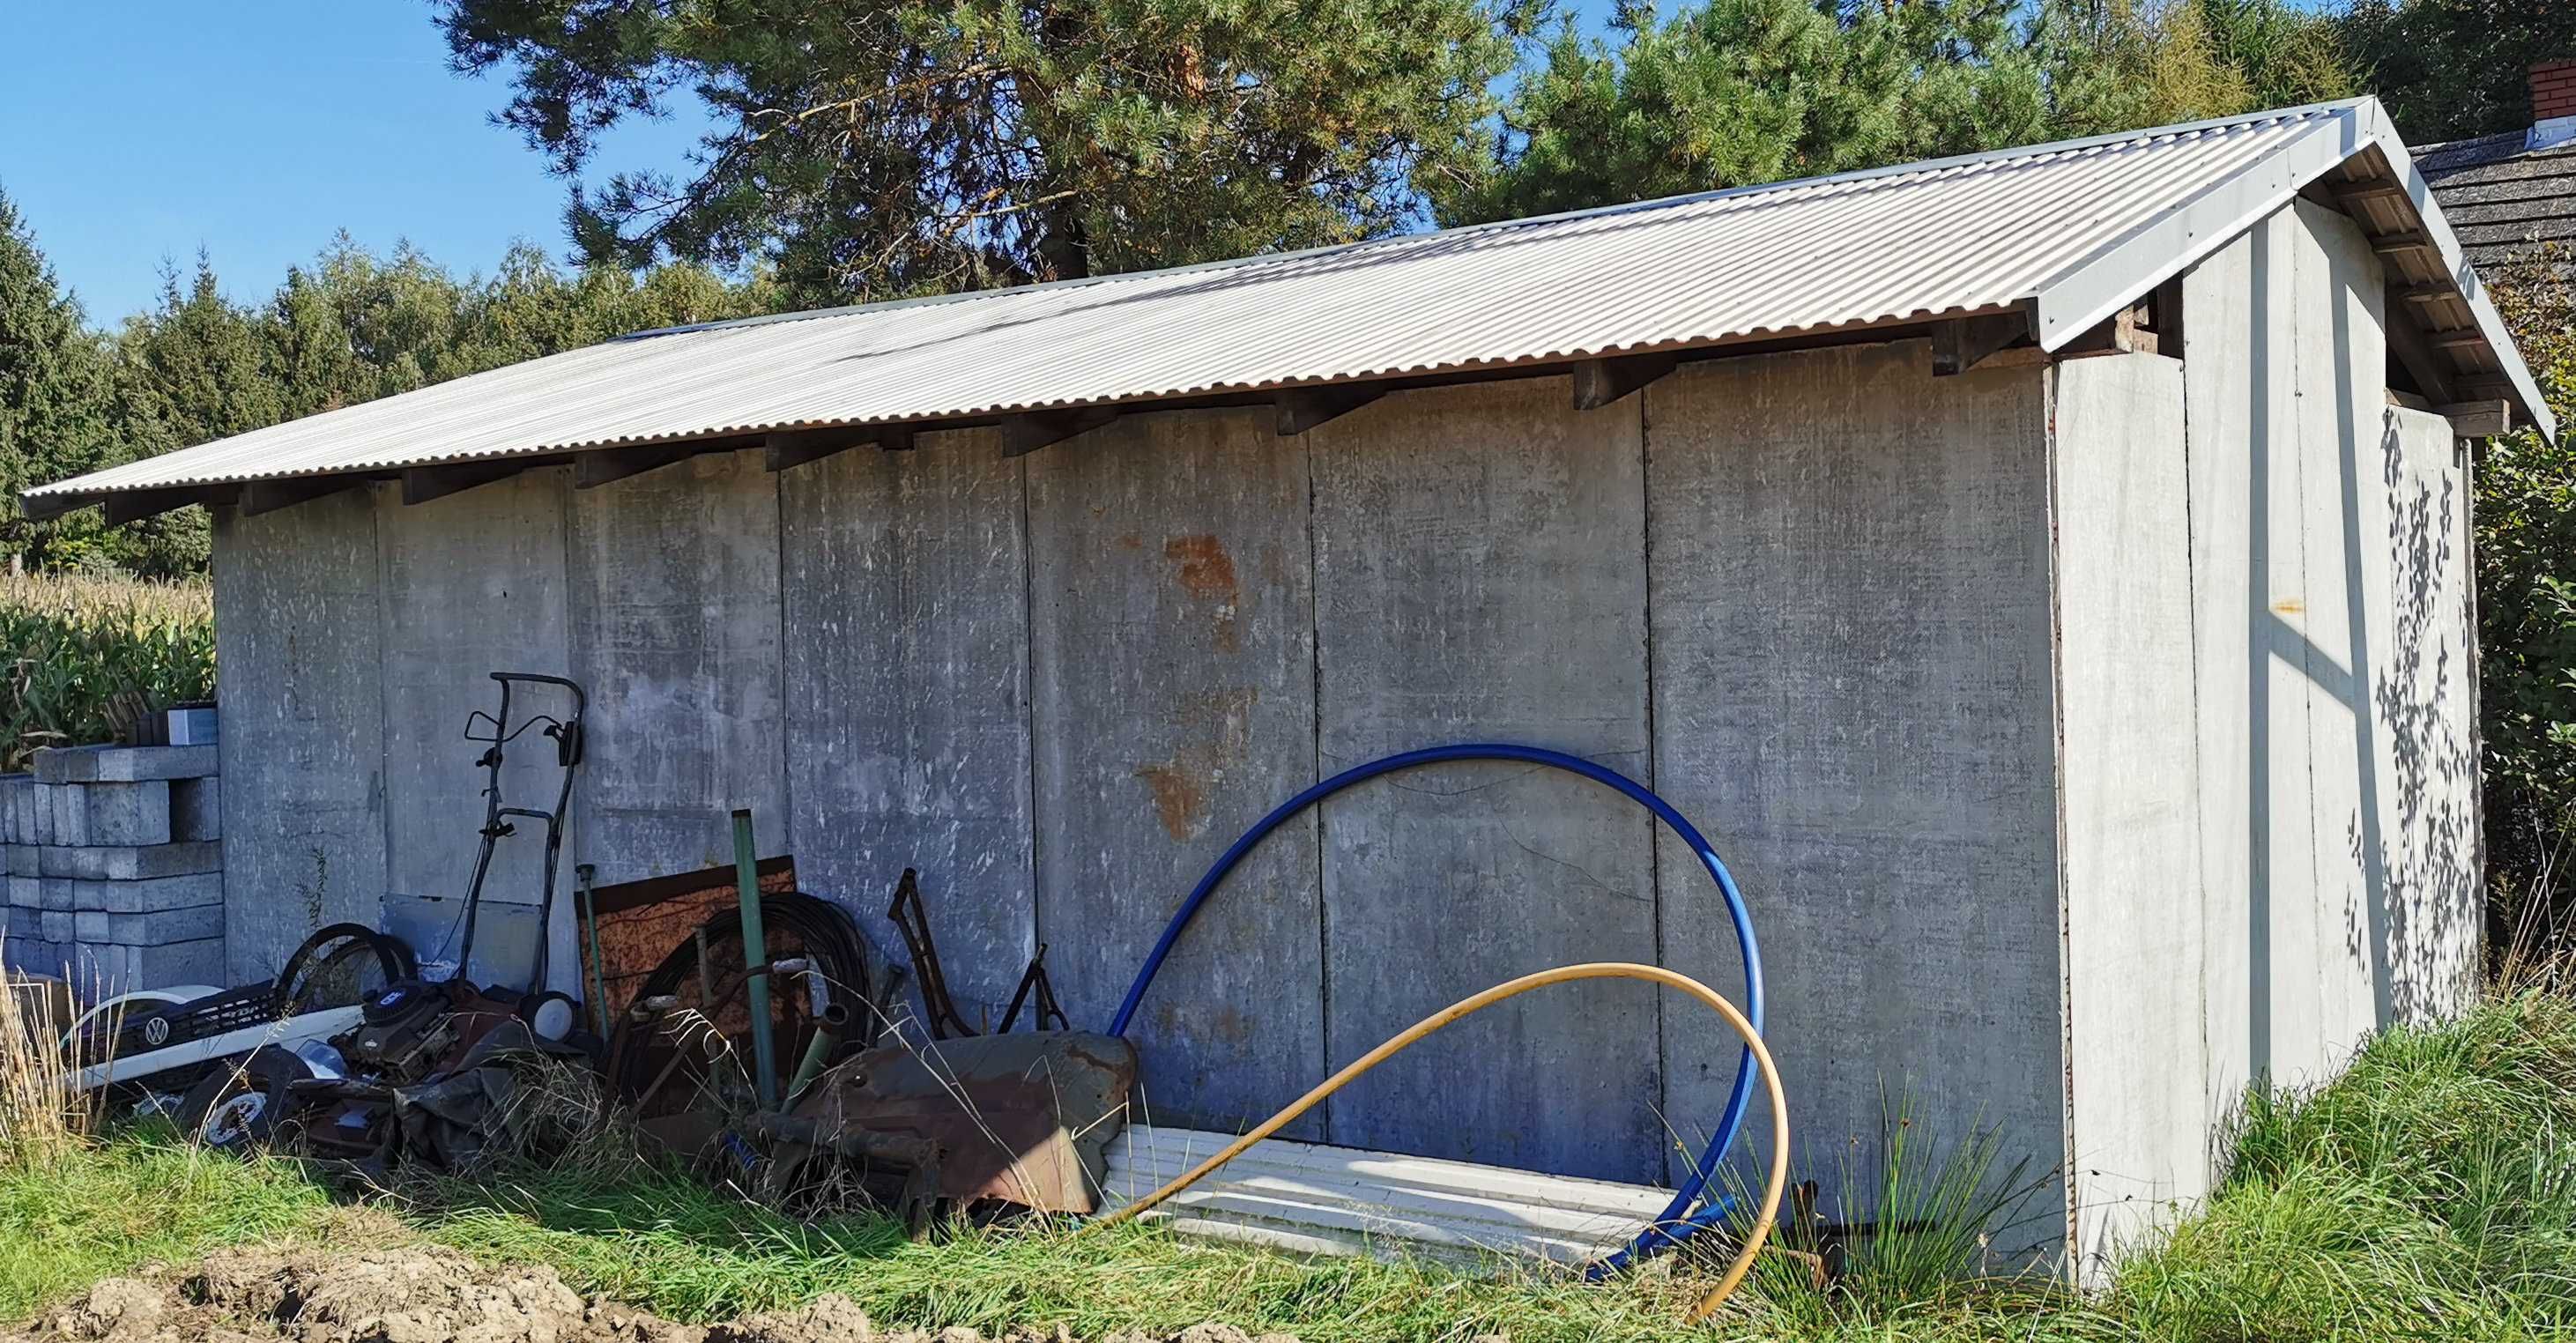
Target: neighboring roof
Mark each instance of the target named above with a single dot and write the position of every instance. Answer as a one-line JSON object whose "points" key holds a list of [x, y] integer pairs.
{"points": [[2071, 232], [2503, 198]]}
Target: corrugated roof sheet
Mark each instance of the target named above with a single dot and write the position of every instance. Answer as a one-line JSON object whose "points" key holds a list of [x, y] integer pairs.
{"points": [[2077, 230]]}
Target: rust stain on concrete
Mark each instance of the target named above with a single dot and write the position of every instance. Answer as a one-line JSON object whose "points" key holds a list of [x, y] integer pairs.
{"points": [[1207, 573], [1206, 570], [1217, 731], [1178, 798]]}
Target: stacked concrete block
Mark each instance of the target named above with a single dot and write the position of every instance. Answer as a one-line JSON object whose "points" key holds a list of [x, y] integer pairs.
{"points": [[114, 863]]}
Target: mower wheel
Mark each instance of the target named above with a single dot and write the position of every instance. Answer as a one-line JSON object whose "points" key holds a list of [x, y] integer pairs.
{"points": [[236, 1108]]}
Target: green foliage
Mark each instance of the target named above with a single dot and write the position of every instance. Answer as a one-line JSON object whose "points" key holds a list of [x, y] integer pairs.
{"points": [[2429, 1192], [2526, 561], [900, 148], [200, 366], [62, 408], [73, 1217], [1742, 91], [353, 327], [1738, 92], [2452, 68], [75, 643]]}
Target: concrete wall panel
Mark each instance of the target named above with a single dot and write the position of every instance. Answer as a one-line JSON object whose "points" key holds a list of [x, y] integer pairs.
{"points": [[2342, 404], [2423, 652], [675, 631], [907, 672], [1172, 644], [2249, 592], [302, 703], [1852, 697], [1480, 575], [2136, 1109], [473, 583], [2334, 664]]}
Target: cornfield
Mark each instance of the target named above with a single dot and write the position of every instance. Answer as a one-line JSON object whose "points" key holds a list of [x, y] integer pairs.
{"points": [[73, 649]]}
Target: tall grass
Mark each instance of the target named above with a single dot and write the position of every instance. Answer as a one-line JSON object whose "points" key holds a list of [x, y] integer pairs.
{"points": [[2429, 1192], [40, 1117], [71, 646]]}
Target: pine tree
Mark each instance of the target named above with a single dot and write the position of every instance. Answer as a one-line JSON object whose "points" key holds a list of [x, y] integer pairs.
{"points": [[883, 148], [58, 408], [1740, 92]]}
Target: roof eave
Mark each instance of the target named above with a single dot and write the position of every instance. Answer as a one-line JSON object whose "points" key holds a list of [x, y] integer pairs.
{"points": [[2090, 292]]}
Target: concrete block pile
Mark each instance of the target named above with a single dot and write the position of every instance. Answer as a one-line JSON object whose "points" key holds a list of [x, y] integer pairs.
{"points": [[114, 862]]}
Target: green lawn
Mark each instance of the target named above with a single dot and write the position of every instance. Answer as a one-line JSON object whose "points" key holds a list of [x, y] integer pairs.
{"points": [[2430, 1192]]}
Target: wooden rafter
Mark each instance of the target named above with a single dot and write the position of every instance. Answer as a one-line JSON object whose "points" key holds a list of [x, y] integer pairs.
{"points": [[1603, 382], [1302, 408]]}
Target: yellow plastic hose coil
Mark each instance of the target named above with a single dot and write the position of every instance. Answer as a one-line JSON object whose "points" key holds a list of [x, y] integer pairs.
{"points": [[1761, 1229]]}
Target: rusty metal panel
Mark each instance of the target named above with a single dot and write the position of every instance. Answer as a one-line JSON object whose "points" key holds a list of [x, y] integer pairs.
{"points": [[1481, 575], [675, 602], [1023, 1119], [2070, 227], [906, 593], [1172, 647], [303, 709]]}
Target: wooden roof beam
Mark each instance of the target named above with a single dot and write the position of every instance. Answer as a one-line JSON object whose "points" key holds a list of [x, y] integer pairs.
{"points": [[1603, 382], [2415, 354], [136, 505], [420, 484], [268, 496], [2123, 332], [792, 448], [1302, 408], [593, 469], [1962, 343], [1024, 434], [2478, 419]]}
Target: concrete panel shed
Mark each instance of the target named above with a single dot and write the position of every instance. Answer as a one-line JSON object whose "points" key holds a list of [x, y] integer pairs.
{"points": [[2043, 575]]}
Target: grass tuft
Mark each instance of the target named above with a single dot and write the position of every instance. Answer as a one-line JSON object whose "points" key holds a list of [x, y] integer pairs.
{"points": [[2428, 1192]]}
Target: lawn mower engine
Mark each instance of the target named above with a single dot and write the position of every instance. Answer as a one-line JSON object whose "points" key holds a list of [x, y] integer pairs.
{"points": [[403, 1031]]}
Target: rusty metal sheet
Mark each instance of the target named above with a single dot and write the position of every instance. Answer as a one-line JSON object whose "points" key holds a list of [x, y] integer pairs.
{"points": [[1022, 1119]]}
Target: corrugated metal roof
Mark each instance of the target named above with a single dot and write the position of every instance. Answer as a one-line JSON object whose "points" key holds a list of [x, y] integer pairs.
{"points": [[2076, 230]]}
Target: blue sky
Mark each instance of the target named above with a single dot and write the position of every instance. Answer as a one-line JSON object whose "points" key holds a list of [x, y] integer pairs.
{"points": [[135, 133], [148, 129]]}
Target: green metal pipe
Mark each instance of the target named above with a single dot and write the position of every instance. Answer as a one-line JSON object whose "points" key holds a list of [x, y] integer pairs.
{"points": [[755, 955], [827, 1037], [583, 875]]}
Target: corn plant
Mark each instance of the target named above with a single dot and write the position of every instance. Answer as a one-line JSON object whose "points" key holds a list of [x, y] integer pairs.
{"points": [[72, 650]]}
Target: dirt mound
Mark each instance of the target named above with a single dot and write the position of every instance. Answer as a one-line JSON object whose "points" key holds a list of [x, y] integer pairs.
{"points": [[422, 1295]]}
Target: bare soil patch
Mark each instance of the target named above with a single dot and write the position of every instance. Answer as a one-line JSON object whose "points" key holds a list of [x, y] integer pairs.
{"points": [[417, 1294]]}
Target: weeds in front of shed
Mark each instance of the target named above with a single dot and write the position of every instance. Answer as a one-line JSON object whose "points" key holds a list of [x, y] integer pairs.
{"points": [[105, 1206], [39, 1115], [1914, 1228], [2429, 1192]]}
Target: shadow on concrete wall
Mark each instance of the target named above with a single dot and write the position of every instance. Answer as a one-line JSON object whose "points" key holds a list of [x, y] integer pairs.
{"points": [[2418, 885]]}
